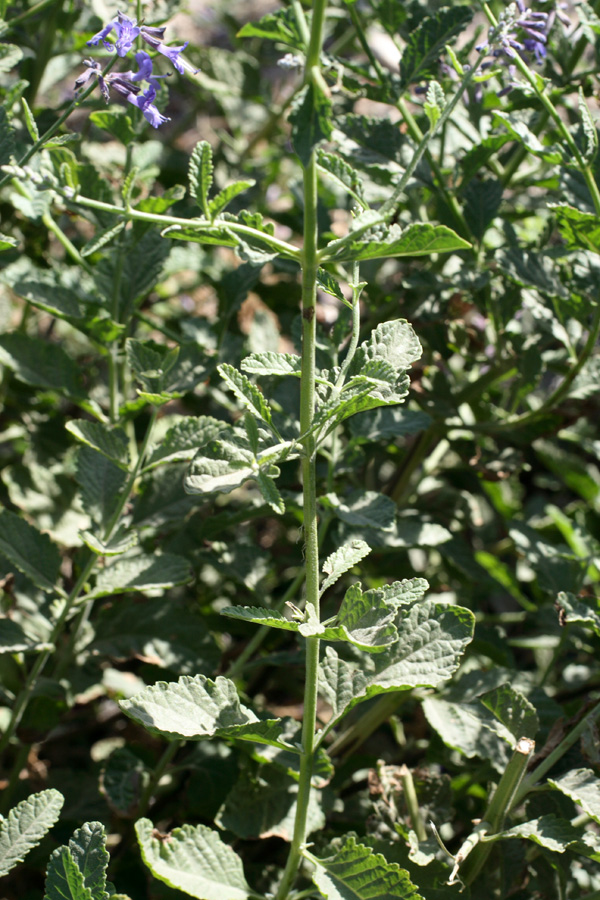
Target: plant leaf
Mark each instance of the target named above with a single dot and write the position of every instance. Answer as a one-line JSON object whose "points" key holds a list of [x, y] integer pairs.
{"points": [[29, 551], [367, 509], [224, 197], [271, 363], [582, 786], [41, 364], [141, 573], [343, 173], [194, 860], [26, 825], [200, 174], [198, 708], [513, 710], [580, 230], [355, 872], [88, 850], [278, 26], [426, 43], [182, 441], [110, 442], [310, 118], [420, 239], [248, 394], [343, 559], [585, 610], [64, 878], [264, 805], [13, 639]]}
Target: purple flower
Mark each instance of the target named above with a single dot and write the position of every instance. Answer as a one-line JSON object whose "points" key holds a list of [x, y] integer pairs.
{"points": [[127, 31], [144, 72], [129, 84], [173, 53]]}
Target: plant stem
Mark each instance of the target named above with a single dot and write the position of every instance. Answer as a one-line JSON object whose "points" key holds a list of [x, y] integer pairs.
{"points": [[54, 128], [136, 215], [567, 742], [170, 751], [309, 481], [493, 822]]}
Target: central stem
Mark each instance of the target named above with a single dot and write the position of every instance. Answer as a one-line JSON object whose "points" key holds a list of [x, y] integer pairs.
{"points": [[309, 480]]}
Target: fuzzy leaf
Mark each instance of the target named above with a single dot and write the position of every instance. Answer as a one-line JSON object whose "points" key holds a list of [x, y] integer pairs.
{"points": [[548, 831], [116, 121], [581, 230], [200, 174], [343, 559], [25, 826], [64, 878], [585, 610], [265, 806], [330, 285], [101, 482], [29, 551], [512, 709], [420, 239], [13, 639], [281, 25], [310, 119], [270, 363], [182, 441], [431, 641], [198, 708], [110, 442], [426, 43], [194, 860], [517, 129], [141, 573], [7, 137], [224, 197], [41, 364], [363, 509], [355, 872], [88, 850], [343, 173], [590, 133], [583, 787], [30, 121], [247, 393], [270, 493], [363, 620], [393, 342]]}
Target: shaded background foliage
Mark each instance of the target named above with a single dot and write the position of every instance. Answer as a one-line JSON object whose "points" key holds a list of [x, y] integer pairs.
{"points": [[485, 482]]}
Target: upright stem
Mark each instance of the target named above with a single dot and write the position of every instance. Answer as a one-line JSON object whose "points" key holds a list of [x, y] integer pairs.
{"points": [[309, 481]]}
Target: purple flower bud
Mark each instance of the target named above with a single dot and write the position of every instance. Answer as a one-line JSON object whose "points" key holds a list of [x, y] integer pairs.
{"points": [[101, 35]]}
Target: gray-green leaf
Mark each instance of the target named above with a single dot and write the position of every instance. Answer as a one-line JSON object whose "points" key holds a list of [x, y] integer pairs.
{"points": [[26, 825], [29, 551], [355, 872], [194, 860]]}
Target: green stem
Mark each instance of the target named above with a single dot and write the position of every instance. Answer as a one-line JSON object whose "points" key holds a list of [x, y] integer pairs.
{"points": [[54, 128], [472, 857], [412, 802], [309, 485], [136, 215], [169, 753], [555, 755]]}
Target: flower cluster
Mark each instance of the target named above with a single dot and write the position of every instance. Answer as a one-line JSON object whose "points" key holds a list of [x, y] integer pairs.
{"points": [[130, 84], [520, 32]]}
